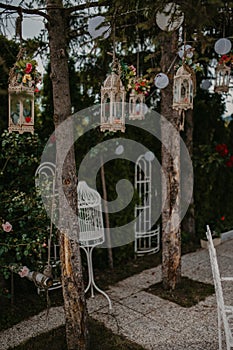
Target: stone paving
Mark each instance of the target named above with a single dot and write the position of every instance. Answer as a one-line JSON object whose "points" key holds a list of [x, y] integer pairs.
{"points": [[152, 322]]}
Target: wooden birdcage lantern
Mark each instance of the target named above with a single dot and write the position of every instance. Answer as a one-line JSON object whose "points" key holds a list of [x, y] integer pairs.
{"points": [[223, 75], [136, 105], [112, 104], [183, 89], [23, 78]]}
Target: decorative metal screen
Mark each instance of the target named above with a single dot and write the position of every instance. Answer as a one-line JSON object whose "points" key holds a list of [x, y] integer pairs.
{"points": [[147, 240]]}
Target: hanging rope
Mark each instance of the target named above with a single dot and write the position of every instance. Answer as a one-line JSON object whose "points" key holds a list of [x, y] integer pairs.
{"points": [[18, 26]]}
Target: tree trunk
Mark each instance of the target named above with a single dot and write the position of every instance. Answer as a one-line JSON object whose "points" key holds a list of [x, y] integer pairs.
{"points": [[188, 223], [107, 228], [72, 279], [171, 237]]}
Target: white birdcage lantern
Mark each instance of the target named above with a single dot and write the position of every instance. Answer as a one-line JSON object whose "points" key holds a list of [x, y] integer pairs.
{"points": [[21, 109], [136, 105], [183, 89], [112, 104], [223, 75], [23, 78]]}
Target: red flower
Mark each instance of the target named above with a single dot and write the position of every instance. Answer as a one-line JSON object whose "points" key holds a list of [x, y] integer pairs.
{"points": [[28, 68], [222, 149], [229, 163], [222, 218], [28, 119]]}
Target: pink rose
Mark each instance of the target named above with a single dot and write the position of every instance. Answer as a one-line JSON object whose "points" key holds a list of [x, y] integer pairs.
{"points": [[7, 227], [24, 271], [28, 68]]}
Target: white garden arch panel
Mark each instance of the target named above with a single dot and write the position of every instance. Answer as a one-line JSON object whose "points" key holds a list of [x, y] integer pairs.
{"points": [[147, 241]]}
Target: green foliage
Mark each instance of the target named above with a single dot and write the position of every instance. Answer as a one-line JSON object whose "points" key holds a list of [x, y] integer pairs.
{"points": [[213, 179], [19, 203]]}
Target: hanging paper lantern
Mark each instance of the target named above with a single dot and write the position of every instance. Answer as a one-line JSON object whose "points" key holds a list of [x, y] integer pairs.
{"points": [[95, 28], [119, 150], [161, 81], [183, 88], [223, 75], [170, 18], [222, 46], [205, 84], [112, 115], [185, 50]]}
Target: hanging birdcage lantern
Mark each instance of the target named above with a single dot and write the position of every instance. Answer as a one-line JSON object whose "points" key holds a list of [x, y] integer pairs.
{"points": [[136, 105], [113, 103], [22, 82], [183, 88], [223, 75]]}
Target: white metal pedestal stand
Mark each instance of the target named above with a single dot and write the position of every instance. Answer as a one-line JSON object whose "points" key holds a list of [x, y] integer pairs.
{"points": [[91, 281]]}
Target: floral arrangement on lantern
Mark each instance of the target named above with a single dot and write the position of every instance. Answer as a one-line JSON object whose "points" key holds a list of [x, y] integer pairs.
{"points": [[226, 59], [25, 72], [141, 86], [130, 80]]}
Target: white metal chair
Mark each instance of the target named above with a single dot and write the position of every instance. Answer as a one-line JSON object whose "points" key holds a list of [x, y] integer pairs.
{"points": [[225, 312]]}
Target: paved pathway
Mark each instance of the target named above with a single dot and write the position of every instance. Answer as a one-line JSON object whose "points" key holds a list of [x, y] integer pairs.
{"points": [[152, 322]]}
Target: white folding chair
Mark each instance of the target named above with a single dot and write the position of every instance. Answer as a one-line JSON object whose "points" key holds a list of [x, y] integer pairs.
{"points": [[225, 312]]}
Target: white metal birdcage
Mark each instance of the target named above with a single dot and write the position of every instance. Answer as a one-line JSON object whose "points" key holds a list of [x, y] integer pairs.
{"points": [[147, 240], [136, 106], [112, 104], [223, 76], [91, 229]]}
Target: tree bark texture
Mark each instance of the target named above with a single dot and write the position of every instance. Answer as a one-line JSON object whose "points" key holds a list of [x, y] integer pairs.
{"points": [[188, 223], [171, 236], [107, 228], [72, 279]]}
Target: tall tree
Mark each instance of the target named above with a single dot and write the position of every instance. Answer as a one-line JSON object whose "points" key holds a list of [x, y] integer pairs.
{"points": [[57, 21], [72, 280], [171, 238]]}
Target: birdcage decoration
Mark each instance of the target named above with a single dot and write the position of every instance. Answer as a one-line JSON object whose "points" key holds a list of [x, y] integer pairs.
{"points": [[91, 229], [136, 105], [223, 76], [113, 102], [183, 88], [23, 78]]}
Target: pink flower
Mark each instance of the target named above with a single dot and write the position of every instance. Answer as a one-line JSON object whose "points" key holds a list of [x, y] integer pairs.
{"points": [[7, 227], [28, 68], [24, 271]]}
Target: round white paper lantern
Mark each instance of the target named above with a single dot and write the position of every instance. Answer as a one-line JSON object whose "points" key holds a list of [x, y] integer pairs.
{"points": [[188, 49], [95, 31], [205, 84], [170, 18], [119, 150], [161, 81], [149, 156], [222, 46]]}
